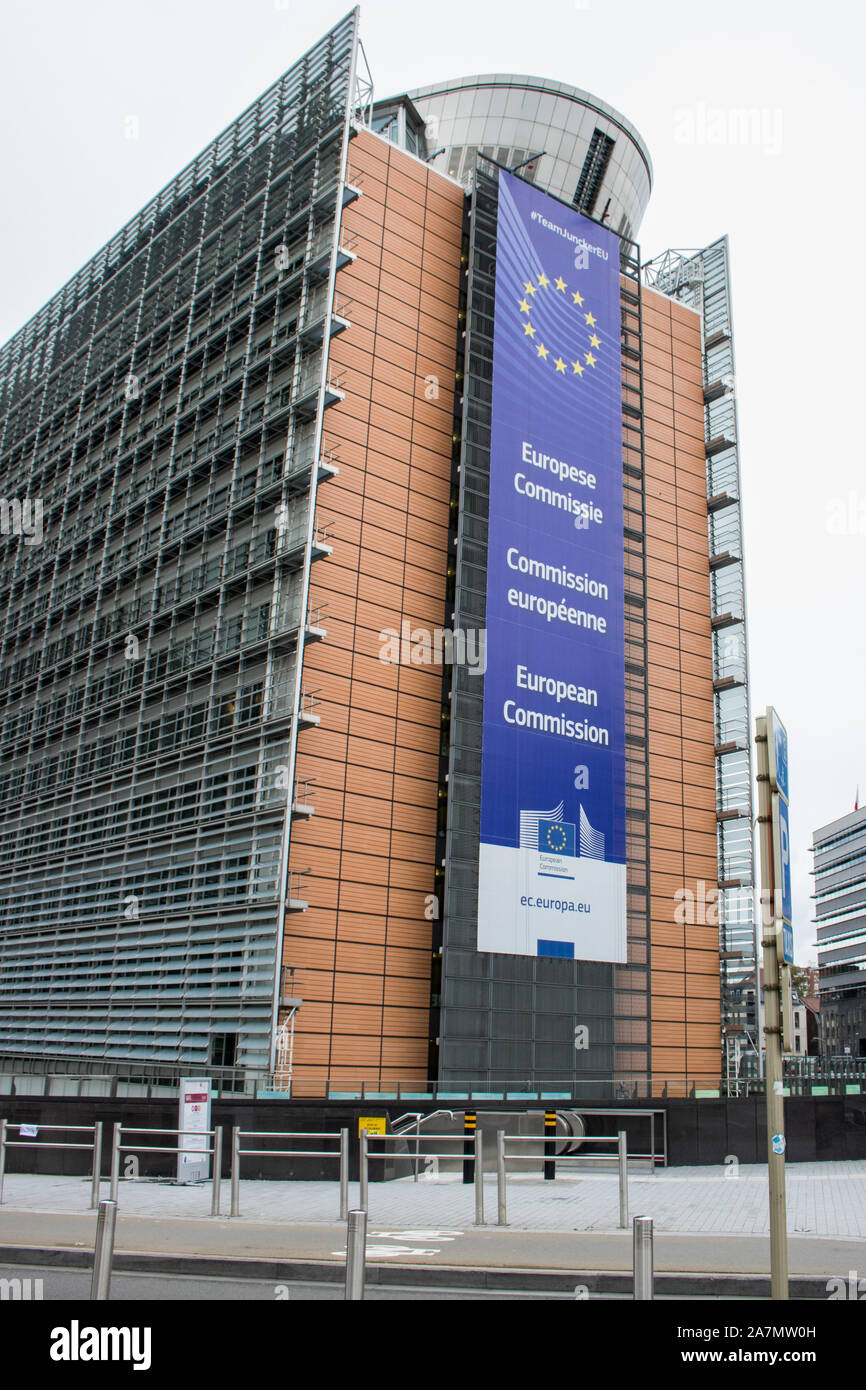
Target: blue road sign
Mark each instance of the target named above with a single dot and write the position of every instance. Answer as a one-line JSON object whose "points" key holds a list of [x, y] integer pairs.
{"points": [[777, 748], [782, 857]]}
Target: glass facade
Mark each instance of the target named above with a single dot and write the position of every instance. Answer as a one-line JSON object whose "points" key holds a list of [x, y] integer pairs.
{"points": [[164, 411], [839, 868], [701, 279]]}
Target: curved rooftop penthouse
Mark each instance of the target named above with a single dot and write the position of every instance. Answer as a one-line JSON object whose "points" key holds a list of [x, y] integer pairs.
{"points": [[587, 153]]}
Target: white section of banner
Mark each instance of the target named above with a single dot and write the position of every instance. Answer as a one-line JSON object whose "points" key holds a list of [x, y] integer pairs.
{"points": [[516, 888]]}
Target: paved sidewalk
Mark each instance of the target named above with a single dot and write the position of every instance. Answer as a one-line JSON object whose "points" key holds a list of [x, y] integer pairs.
{"points": [[489, 1256], [824, 1200], [711, 1231]]}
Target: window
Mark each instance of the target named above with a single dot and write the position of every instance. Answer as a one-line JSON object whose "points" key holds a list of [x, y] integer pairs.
{"points": [[197, 721], [225, 713], [233, 633], [250, 710], [223, 1049], [593, 171]]}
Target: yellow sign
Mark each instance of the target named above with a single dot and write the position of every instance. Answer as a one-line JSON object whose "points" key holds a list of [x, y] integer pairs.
{"points": [[373, 1124]]}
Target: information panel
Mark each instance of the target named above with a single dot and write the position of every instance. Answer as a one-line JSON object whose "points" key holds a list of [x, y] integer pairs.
{"points": [[552, 877], [193, 1121]]}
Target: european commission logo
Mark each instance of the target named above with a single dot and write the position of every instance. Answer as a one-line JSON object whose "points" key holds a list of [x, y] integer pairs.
{"points": [[558, 837], [549, 833], [559, 314]]}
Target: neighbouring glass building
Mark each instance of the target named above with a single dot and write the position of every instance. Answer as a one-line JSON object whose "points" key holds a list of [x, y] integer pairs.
{"points": [[839, 869], [701, 278], [256, 429]]}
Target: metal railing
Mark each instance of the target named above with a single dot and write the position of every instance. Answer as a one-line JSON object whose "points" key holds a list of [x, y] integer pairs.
{"points": [[626, 1113], [418, 1119], [342, 1153], [476, 1160], [32, 1143], [213, 1150], [621, 1157], [36, 1075]]}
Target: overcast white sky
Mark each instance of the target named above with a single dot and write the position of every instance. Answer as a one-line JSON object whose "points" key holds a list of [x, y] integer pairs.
{"points": [[792, 202]]}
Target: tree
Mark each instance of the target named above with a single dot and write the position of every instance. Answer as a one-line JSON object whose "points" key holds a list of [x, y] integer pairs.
{"points": [[803, 980]]}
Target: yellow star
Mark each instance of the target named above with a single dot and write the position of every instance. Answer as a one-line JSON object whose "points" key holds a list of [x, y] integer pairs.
{"points": [[560, 283], [577, 368], [590, 360], [590, 320], [543, 351], [560, 365], [529, 287], [577, 297], [596, 342], [543, 280], [529, 330], [524, 306]]}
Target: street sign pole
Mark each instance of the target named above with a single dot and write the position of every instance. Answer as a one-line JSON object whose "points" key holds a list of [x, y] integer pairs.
{"points": [[772, 955]]}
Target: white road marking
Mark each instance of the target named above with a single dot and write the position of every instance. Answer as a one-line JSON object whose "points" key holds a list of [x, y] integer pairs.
{"points": [[416, 1235], [389, 1251]]}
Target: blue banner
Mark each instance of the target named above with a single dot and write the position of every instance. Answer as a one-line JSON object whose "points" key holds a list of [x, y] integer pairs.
{"points": [[552, 857]]}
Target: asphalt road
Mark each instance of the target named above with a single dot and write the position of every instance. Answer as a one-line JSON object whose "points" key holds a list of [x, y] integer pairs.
{"points": [[74, 1286]]}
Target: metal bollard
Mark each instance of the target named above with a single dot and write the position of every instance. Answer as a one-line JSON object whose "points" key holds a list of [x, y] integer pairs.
{"points": [[103, 1251], [344, 1174], [115, 1161], [470, 1129], [217, 1169], [622, 1150], [548, 1168], [236, 1170], [500, 1178], [97, 1164], [356, 1253], [479, 1178], [3, 1124], [643, 1257], [363, 1173]]}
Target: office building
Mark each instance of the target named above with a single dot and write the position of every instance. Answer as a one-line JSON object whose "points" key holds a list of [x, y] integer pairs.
{"points": [[839, 869], [242, 792]]}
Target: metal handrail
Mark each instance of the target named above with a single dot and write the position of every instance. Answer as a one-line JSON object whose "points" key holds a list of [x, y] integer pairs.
{"points": [[477, 1161], [134, 1129], [238, 1153], [420, 1118], [622, 1156], [214, 1150], [290, 1134], [25, 1144], [16, 1124], [19, 1143], [235, 1080], [578, 1139], [288, 1153], [428, 1138]]}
